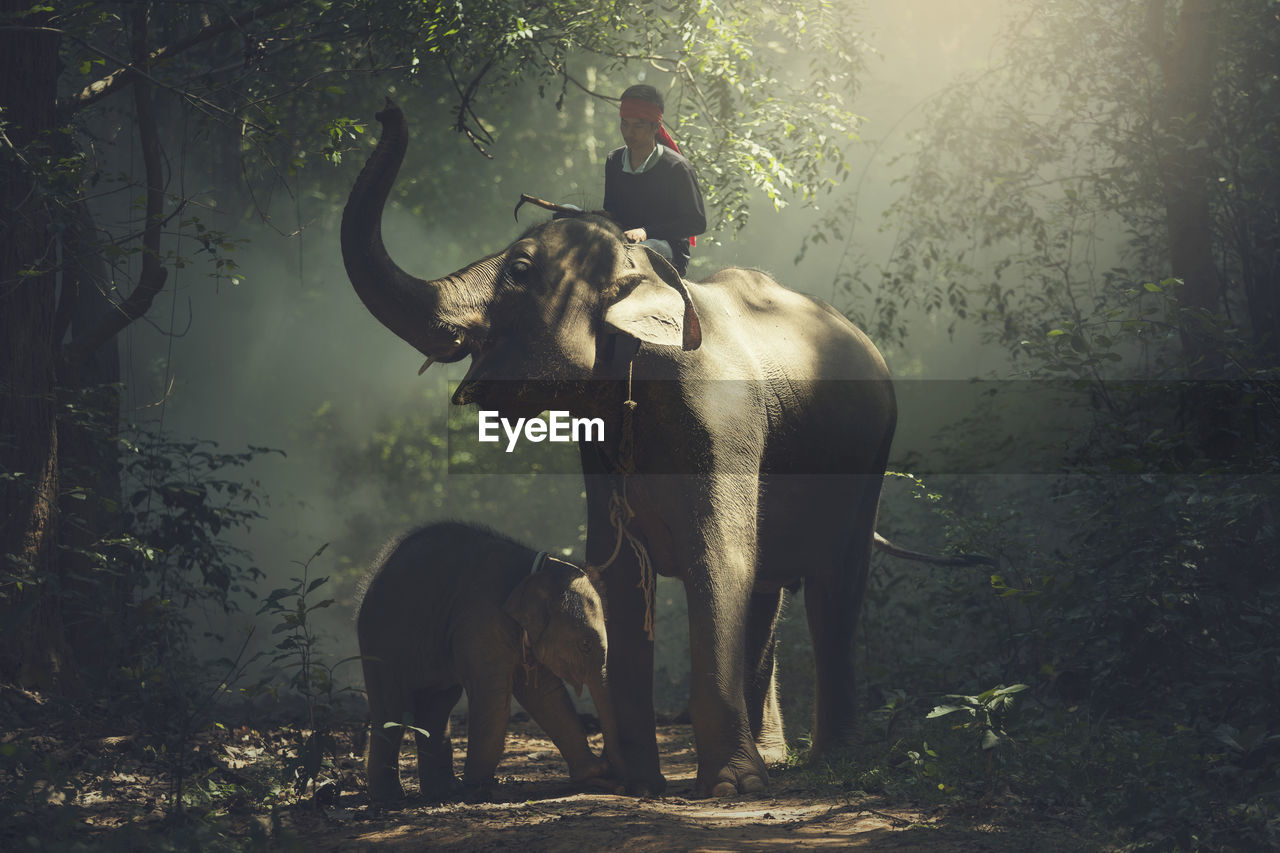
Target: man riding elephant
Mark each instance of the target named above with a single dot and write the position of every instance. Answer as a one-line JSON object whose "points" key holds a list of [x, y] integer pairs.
{"points": [[650, 189]]}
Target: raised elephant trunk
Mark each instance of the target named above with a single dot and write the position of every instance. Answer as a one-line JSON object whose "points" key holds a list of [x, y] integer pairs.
{"points": [[435, 317]]}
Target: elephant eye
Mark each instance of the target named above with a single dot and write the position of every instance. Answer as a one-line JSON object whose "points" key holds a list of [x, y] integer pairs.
{"points": [[520, 269]]}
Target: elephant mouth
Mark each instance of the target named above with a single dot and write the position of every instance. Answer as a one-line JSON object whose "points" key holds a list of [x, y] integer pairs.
{"points": [[572, 677], [469, 391], [472, 389], [509, 398]]}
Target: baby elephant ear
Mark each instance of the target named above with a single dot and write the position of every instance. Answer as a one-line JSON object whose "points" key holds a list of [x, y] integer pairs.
{"points": [[529, 605], [654, 304]]}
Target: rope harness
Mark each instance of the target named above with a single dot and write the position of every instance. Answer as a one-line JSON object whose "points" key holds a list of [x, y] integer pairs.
{"points": [[527, 660], [621, 513]]}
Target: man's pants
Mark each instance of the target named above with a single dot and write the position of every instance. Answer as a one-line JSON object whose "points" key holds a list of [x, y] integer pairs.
{"points": [[662, 247]]}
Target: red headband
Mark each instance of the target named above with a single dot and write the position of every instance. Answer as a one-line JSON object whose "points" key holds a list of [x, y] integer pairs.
{"points": [[650, 112], [643, 110]]}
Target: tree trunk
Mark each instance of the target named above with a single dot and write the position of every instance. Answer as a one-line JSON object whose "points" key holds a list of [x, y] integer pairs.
{"points": [[30, 616], [1186, 170], [1186, 167], [88, 452]]}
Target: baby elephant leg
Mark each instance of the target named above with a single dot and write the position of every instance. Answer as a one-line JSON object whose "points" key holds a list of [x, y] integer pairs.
{"points": [[548, 702], [488, 711], [431, 710]]}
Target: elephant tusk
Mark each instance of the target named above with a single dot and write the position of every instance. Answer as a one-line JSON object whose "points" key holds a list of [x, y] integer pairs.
{"points": [[457, 344]]}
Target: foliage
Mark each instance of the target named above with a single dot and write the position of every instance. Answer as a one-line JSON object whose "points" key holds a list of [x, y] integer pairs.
{"points": [[987, 712], [268, 89], [1136, 598], [174, 560], [1037, 189], [181, 503], [1137, 594], [764, 91], [144, 596], [1053, 201], [312, 680], [139, 586]]}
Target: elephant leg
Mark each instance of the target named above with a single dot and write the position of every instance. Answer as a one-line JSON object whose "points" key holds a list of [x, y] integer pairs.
{"points": [[728, 761], [630, 665], [488, 711], [549, 704], [833, 603], [431, 710], [760, 677], [382, 765]]}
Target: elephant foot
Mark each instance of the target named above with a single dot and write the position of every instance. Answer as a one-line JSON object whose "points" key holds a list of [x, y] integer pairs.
{"points": [[749, 783], [595, 769], [744, 777], [440, 790], [825, 750], [601, 785], [477, 793], [646, 788], [596, 776], [385, 792]]}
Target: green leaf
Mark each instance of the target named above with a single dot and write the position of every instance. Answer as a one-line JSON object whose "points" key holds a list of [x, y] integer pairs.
{"points": [[1011, 689], [420, 731]]}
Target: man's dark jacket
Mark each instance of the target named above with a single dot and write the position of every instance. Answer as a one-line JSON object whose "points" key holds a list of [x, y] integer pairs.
{"points": [[665, 201]]}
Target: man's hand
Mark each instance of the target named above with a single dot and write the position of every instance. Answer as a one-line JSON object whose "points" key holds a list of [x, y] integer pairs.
{"points": [[636, 235]]}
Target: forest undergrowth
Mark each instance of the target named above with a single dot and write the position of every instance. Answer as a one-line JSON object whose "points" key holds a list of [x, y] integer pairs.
{"points": [[1116, 679]]}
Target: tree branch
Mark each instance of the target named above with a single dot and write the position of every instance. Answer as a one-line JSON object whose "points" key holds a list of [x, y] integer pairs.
{"points": [[152, 278], [464, 108], [135, 70], [124, 75]]}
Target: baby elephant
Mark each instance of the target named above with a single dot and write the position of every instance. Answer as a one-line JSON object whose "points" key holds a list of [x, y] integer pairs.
{"points": [[453, 607]]}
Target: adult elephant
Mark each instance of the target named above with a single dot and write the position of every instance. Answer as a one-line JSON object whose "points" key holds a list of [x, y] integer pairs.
{"points": [[752, 457]]}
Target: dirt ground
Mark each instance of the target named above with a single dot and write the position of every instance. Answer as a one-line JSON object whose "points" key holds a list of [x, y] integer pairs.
{"points": [[534, 809], [86, 781]]}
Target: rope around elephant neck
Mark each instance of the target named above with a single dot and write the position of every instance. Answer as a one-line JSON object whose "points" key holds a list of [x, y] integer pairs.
{"points": [[621, 513], [528, 661]]}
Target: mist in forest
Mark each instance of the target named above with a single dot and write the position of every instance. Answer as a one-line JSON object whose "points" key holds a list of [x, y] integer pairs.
{"points": [[289, 359], [1056, 219]]}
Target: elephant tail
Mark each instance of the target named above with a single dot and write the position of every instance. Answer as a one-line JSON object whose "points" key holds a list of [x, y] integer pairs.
{"points": [[892, 550]]}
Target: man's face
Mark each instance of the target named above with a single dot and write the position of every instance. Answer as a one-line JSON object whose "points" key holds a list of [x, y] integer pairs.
{"points": [[639, 135]]}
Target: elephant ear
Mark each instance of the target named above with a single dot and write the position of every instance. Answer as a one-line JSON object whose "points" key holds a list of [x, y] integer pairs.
{"points": [[530, 604], [653, 303]]}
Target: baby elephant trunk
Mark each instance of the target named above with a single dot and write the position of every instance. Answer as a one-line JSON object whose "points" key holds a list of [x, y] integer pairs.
{"points": [[598, 685]]}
